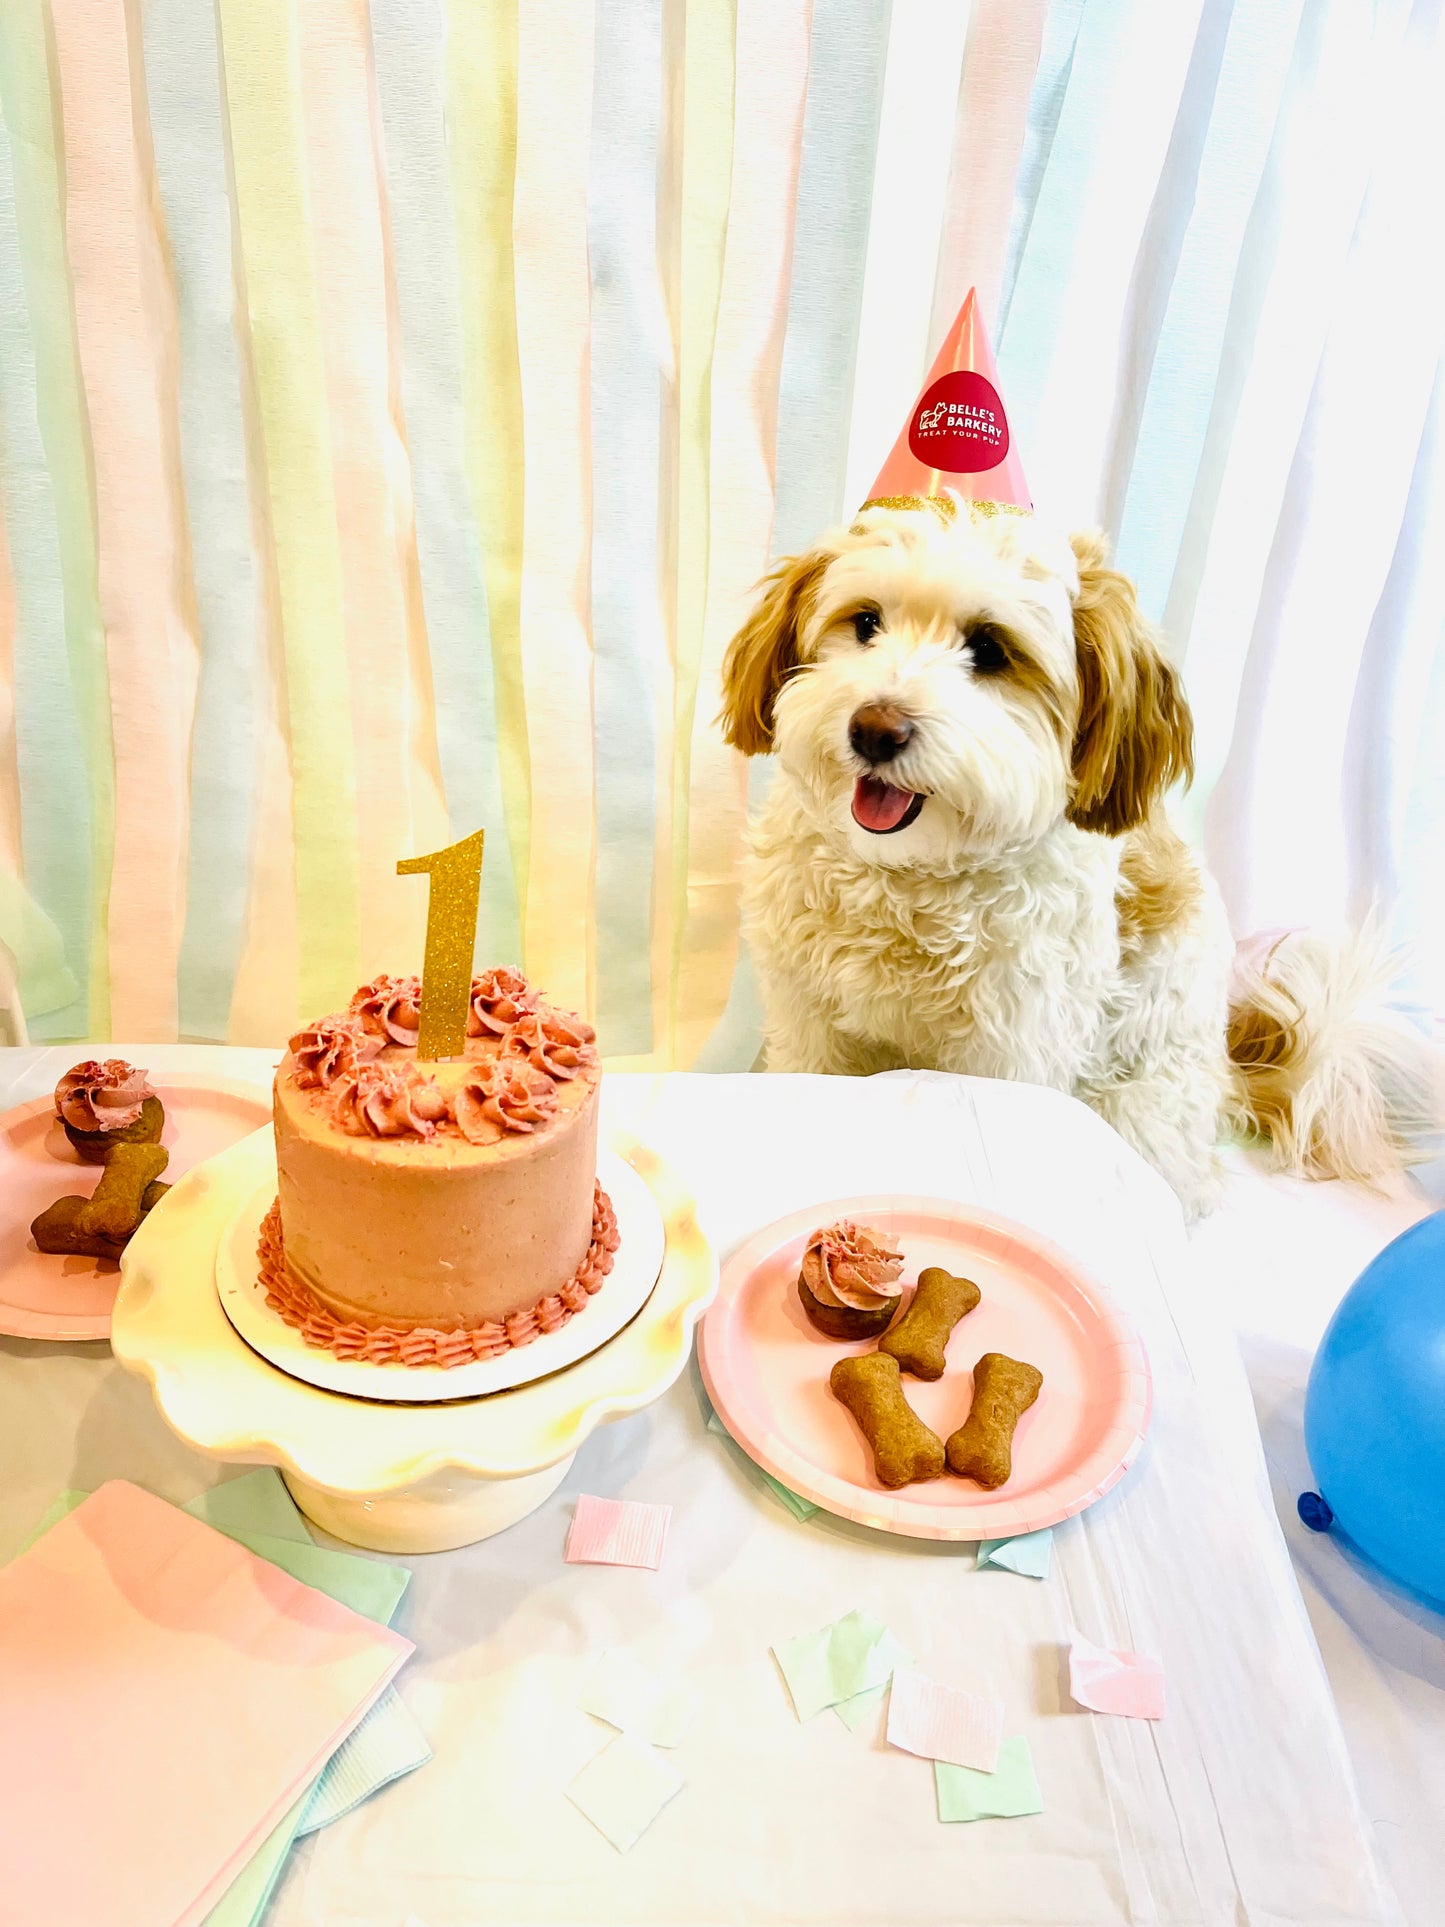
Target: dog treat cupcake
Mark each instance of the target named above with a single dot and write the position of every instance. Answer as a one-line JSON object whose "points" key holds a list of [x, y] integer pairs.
{"points": [[849, 1281], [102, 1105]]}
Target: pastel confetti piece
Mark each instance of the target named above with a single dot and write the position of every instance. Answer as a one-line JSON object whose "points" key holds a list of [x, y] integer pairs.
{"points": [[836, 1662], [854, 1712], [1010, 1791], [1029, 1554], [1128, 1684], [941, 1722], [625, 1693], [617, 1532], [624, 1788]]}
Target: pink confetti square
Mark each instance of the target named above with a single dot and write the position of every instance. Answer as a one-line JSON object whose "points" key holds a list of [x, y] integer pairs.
{"points": [[941, 1722], [1129, 1684], [617, 1532]]}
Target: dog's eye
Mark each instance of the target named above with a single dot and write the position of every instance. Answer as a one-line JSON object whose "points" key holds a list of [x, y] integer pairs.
{"points": [[988, 648], [867, 623]]}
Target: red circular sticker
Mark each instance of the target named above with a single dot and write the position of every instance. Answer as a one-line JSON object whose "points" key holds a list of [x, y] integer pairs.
{"points": [[960, 425]]}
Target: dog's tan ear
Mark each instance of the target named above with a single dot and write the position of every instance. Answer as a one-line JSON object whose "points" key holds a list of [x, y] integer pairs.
{"points": [[1135, 735], [764, 652]]}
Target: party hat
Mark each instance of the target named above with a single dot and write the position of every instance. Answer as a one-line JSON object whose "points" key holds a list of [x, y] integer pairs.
{"points": [[957, 440]]}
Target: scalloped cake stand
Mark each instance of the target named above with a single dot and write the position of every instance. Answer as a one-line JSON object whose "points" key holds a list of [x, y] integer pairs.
{"points": [[391, 1477]]}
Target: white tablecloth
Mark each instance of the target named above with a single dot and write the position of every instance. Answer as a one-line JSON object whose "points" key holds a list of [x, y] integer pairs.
{"points": [[1239, 1806]]}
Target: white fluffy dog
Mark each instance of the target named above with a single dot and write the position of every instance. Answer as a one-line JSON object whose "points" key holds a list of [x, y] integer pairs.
{"points": [[964, 864]]}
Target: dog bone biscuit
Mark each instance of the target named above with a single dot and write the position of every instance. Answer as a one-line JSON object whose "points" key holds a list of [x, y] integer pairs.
{"points": [[917, 1341], [1003, 1390], [903, 1447], [56, 1229], [114, 1208]]}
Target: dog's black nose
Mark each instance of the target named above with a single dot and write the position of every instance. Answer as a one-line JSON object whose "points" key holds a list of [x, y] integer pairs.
{"points": [[879, 732]]}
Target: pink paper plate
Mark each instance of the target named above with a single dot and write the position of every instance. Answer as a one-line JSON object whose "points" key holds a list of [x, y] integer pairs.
{"points": [[766, 1370], [46, 1296]]}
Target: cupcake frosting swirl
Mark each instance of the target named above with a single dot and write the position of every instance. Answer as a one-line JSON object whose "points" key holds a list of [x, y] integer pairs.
{"points": [[379, 1100], [105, 1096], [852, 1268]]}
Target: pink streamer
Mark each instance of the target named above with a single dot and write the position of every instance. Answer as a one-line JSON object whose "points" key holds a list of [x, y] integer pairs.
{"points": [[125, 326]]}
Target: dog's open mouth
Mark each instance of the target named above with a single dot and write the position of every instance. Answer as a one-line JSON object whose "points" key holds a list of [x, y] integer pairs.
{"points": [[881, 808]]}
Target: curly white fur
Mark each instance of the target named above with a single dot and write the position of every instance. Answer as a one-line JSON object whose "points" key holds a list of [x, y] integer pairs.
{"points": [[1038, 920]]}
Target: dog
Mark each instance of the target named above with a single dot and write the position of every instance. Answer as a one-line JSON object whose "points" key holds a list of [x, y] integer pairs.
{"points": [[965, 864]]}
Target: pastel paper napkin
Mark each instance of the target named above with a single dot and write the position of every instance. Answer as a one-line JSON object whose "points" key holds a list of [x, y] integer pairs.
{"points": [[942, 1722], [133, 1640], [837, 1662], [1029, 1554], [1129, 1684], [617, 1532], [628, 1695], [1012, 1789], [258, 1511], [386, 1744], [624, 1788], [800, 1507]]}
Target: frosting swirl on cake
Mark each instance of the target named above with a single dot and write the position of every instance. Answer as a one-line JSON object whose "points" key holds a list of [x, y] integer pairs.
{"points": [[503, 1096], [332, 1047], [381, 1100], [390, 1008], [107, 1096], [499, 998], [852, 1268], [553, 1042]]}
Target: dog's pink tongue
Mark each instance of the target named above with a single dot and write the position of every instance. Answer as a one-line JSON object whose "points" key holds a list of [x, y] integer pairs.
{"points": [[878, 805]]}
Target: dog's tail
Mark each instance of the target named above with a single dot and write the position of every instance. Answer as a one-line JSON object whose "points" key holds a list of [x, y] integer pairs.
{"points": [[1341, 1083]]}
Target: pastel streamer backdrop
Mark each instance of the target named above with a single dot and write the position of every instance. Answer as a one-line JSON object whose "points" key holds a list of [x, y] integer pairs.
{"points": [[400, 398]]}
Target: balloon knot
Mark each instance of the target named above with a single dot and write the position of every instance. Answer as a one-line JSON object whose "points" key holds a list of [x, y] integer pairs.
{"points": [[1315, 1512]]}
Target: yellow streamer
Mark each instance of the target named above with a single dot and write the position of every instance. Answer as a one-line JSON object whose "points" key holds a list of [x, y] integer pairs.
{"points": [[268, 167], [771, 86], [399, 804], [482, 141], [553, 296], [707, 155]]}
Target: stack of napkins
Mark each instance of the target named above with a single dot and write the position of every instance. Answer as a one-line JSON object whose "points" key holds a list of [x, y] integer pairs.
{"points": [[166, 1699]]}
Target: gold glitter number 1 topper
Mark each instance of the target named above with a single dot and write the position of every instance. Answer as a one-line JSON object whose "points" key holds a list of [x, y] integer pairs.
{"points": [[451, 933]]}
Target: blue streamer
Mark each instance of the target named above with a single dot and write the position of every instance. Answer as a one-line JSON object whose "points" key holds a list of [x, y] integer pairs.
{"points": [[408, 42], [182, 81], [847, 57], [1046, 104], [1036, 293], [1182, 380]]}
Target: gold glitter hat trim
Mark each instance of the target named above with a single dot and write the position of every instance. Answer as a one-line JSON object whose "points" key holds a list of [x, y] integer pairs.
{"points": [[945, 507]]}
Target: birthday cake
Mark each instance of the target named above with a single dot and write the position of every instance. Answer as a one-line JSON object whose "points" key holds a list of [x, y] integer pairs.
{"points": [[432, 1213]]}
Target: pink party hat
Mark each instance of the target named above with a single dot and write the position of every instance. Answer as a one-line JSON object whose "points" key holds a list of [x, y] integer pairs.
{"points": [[957, 439]]}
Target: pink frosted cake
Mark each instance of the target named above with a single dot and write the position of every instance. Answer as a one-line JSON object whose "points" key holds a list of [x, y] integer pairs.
{"points": [[435, 1213]]}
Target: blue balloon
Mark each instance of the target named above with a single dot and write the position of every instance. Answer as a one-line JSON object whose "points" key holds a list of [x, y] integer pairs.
{"points": [[1375, 1410]]}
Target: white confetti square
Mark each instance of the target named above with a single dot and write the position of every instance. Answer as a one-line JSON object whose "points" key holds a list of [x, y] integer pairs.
{"points": [[624, 1788], [628, 1695]]}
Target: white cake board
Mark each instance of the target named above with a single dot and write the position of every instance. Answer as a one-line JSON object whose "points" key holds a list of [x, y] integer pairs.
{"points": [[395, 1477], [625, 1291]]}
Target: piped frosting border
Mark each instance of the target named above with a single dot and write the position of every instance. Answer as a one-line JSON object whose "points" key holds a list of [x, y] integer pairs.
{"points": [[390, 1345]]}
